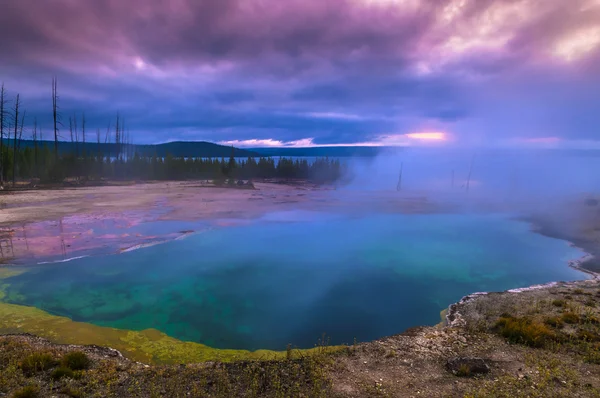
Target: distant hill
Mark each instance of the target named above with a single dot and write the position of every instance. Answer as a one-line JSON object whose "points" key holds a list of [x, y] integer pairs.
{"points": [[203, 149], [323, 151], [196, 149]]}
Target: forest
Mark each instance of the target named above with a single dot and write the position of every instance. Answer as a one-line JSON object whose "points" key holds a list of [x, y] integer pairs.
{"points": [[111, 154]]}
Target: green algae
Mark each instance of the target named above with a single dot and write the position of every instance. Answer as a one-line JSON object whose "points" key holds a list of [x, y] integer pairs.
{"points": [[147, 346], [5, 273]]}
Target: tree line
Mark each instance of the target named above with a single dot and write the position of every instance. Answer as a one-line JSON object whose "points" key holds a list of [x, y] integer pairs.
{"points": [[110, 155]]}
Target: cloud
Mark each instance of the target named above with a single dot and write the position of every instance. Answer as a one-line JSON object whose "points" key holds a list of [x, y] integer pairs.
{"points": [[339, 71]]}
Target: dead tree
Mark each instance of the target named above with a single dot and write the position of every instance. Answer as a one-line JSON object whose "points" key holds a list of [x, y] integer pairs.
{"points": [[399, 186], [3, 122], [21, 131], [16, 115], [35, 147], [98, 143], [55, 115], [76, 135], [470, 171], [117, 137], [83, 132], [71, 128]]}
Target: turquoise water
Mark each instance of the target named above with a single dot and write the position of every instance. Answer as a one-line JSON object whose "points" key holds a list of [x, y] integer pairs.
{"points": [[290, 277]]}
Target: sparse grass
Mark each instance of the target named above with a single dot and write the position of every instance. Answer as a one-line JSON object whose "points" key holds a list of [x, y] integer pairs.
{"points": [[27, 392], [587, 335], [76, 360], [559, 303], [570, 317], [37, 362], [62, 372], [590, 303], [390, 354], [71, 392], [525, 331], [554, 321], [301, 375]]}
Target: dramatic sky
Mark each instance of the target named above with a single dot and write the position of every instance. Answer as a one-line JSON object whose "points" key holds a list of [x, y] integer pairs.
{"points": [[312, 72]]}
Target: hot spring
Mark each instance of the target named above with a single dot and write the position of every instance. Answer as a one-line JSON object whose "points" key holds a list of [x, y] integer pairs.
{"points": [[290, 277]]}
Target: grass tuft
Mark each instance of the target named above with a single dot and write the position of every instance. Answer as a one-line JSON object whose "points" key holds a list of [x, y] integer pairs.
{"points": [[76, 360], [37, 362], [554, 321], [559, 303], [61, 372], [525, 331], [27, 392], [570, 317]]}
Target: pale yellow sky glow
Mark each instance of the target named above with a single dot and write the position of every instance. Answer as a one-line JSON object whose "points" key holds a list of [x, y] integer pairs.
{"points": [[428, 136], [382, 140]]}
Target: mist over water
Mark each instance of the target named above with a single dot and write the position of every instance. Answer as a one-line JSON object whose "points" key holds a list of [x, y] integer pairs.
{"points": [[502, 175]]}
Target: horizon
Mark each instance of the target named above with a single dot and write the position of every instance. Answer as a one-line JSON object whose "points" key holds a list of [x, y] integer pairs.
{"points": [[455, 73]]}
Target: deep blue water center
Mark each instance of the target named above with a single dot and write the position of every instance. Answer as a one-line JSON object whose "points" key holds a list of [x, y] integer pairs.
{"points": [[290, 277]]}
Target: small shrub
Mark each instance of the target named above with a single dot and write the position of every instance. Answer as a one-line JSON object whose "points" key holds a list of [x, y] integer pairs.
{"points": [[592, 357], [37, 362], [588, 336], [554, 321], [61, 372], [71, 392], [578, 291], [559, 303], [27, 392], [590, 303], [76, 360], [390, 354], [570, 317], [524, 331]]}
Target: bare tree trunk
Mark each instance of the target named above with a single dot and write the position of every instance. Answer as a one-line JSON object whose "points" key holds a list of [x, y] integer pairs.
{"points": [[117, 138], [2, 123], [399, 186], [99, 159], [106, 141], [17, 103], [35, 148], [76, 136], [470, 171], [55, 116], [71, 128], [21, 132], [83, 132]]}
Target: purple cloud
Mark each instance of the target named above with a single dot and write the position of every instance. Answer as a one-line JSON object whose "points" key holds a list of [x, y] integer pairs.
{"points": [[486, 71]]}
